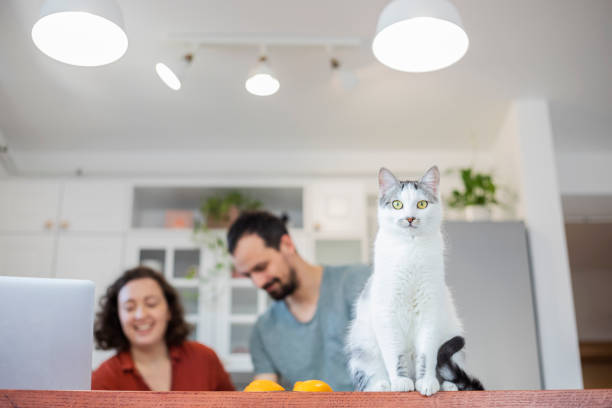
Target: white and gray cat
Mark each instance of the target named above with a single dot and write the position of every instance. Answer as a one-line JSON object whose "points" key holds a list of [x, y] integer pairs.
{"points": [[405, 315]]}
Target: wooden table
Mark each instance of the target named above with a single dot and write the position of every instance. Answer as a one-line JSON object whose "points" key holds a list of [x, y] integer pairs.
{"points": [[125, 399]]}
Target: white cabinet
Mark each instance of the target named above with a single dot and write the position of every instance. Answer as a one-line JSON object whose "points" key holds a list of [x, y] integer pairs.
{"points": [[26, 254], [90, 206], [92, 257], [38, 219], [28, 206], [337, 208], [95, 206]]}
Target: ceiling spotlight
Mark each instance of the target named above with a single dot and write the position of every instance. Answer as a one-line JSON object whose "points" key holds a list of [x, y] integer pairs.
{"points": [[347, 80], [83, 33], [419, 35], [261, 80], [172, 72]]}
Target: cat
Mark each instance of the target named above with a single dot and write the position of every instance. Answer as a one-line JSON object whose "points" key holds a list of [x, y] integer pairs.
{"points": [[405, 312]]}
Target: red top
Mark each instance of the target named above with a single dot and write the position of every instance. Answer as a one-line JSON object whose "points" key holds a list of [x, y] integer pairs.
{"points": [[195, 367]]}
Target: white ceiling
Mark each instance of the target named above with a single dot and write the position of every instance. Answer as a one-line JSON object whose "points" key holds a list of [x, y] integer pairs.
{"points": [[557, 49]]}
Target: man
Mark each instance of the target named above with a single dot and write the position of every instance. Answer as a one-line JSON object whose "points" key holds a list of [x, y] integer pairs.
{"points": [[301, 336]]}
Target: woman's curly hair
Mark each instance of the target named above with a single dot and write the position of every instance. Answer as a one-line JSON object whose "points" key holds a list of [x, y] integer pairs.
{"points": [[107, 327]]}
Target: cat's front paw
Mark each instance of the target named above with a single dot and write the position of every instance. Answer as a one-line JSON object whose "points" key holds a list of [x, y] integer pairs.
{"points": [[402, 384], [427, 385], [380, 385]]}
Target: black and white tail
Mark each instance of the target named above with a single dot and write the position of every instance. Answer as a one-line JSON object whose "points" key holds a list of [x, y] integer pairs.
{"points": [[448, 370]]}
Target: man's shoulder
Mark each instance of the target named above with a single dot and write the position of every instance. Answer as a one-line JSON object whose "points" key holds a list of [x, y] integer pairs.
{"points": [[348, 280]]}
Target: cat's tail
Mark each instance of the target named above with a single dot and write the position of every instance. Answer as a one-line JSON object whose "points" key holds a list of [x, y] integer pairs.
{"points": [[450, 371]]}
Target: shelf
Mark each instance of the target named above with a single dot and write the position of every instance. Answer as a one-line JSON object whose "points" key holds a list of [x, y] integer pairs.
{"points": [[151, 204]]}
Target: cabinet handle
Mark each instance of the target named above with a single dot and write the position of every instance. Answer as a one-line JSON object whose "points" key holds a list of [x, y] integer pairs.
{"points": [[317, 226], [64, 225], [48, 224]]}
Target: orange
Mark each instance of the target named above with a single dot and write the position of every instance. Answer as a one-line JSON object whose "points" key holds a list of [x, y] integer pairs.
{"points": [[312, 386], [263, 385]]}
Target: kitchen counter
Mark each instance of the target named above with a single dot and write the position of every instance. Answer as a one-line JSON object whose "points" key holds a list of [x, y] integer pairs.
{"points": [[108, 399]]}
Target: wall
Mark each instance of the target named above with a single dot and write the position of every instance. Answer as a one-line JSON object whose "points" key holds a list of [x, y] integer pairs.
{"points": [[585, 172], [526, 152]]}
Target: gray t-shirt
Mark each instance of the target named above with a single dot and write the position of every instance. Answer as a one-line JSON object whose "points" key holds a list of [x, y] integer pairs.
{"points": [[315, 350]]}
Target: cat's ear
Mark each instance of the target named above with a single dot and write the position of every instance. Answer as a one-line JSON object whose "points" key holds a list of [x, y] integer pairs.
{"points": [[386, 180], [431, 179]]}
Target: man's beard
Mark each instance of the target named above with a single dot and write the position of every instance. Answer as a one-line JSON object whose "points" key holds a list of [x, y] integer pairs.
{"points": [[285, 289]]}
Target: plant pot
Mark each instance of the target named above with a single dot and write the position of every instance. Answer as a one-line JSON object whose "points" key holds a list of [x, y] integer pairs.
{"points": [[477, 213]]}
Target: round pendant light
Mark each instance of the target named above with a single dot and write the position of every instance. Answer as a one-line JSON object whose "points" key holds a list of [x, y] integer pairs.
{"points": [[419, 35], [85, 33], [261, 80]]}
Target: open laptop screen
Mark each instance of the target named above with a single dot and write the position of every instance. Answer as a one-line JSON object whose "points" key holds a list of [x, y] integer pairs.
{"points": [[46, 333]]}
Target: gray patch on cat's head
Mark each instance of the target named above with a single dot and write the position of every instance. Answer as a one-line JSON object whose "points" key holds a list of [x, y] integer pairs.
{"points": [[420, 186], [390, 194]]}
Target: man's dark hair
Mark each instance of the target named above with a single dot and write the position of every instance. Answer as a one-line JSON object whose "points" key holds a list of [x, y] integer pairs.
{"points": [[268, 226], [107, 327]]}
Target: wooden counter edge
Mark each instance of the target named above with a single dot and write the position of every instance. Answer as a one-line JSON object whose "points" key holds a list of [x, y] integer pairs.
{"points": [[548, 398]]}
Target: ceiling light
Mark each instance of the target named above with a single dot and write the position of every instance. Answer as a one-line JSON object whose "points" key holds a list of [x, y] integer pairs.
{"points": [[346, 79], [86, 33], [261, 80], [419, 35], [172, 72]]}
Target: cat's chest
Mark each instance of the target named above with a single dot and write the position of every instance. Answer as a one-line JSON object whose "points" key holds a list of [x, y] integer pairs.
{"points": [[407, 256]]}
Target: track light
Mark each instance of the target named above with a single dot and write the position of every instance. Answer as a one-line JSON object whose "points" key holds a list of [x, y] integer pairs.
{"points": [[261, 81], [85, 33], [172, 72], [419, 35]]}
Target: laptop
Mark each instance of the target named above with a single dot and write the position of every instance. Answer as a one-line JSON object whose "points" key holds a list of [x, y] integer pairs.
{"points": [[46, 333]]}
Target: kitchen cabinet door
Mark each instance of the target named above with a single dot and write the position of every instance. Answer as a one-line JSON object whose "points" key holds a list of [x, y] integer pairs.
{"points": [[95, 258], [28, 206], [336, 208], [27, 255], [95, 206]]}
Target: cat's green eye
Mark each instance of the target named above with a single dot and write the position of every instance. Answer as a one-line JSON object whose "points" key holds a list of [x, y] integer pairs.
{"points": [[422, 204], [397, 204]]}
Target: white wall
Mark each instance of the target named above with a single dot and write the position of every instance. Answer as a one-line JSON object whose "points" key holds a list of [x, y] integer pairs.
{"points": [[526, 152], [585, 172]]}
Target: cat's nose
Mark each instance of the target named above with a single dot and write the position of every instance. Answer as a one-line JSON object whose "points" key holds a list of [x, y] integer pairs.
{"points": [[410, 219]]}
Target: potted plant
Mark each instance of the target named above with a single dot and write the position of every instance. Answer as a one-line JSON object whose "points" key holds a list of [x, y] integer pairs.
{"points": [[221, 211], [477, 196]]}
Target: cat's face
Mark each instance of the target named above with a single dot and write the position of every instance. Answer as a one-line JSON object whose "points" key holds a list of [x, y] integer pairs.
{"points": [[411, 207]]}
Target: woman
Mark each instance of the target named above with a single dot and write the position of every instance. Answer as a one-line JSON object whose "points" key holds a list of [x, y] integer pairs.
{"points": [[142, 318]]}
